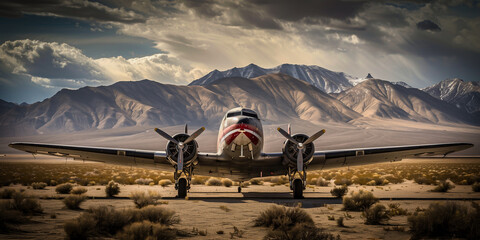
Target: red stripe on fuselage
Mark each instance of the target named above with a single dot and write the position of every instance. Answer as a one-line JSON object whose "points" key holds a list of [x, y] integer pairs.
{"points": [[241, 126]]}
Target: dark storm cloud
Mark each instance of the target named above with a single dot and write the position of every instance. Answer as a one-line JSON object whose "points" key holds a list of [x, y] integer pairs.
{"points": [[79, 9], [428, 25], [298, 10]]}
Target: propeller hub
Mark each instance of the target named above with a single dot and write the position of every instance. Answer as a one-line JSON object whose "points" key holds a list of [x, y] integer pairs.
{"points": [[300, 145], [181, 145]]}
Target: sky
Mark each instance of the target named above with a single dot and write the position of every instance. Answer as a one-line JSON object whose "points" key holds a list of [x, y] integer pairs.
{"points": [[47, 45]]}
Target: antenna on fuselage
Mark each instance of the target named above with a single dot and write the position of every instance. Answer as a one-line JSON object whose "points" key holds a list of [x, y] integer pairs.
{"points": [[289, 129], [186, 128]]}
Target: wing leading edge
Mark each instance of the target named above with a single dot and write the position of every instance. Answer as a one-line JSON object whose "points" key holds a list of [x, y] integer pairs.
{"points": [[361, 156]]}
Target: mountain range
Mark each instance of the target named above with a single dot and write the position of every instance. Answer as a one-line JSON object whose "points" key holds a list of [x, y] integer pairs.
{"points": [[324, 79], [277, 97]]}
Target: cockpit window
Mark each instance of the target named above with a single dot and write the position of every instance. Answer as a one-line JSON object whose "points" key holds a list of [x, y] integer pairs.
{"points": [[243, 113], [248, 114], [233, 114]]}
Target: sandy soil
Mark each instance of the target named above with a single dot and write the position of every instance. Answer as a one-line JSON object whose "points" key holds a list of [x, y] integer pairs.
{"points": [[203, 209]]}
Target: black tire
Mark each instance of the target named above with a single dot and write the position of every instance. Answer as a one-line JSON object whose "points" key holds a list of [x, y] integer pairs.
{"points": [[239, 189], [297, 189], [182, 188]]}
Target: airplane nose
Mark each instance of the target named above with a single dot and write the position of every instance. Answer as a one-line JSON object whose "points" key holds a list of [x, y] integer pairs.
{"points": [[244, 121]]}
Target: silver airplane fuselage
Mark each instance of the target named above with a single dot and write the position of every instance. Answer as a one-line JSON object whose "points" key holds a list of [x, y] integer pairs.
{"points": [[240, 136]]}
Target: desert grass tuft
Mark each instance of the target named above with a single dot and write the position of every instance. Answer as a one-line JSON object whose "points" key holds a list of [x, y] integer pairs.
{"points": [[339, 192], [376, 215], [359, 201], [39, 185], [256, 181], [164, 182], [78, 190], [142, 199], [146, 230], [450, 219], [107, 221], [74, 200], [213, 181], [227, 182], [112, 189], [443, 186], [276, 216], [28, 205], [64, 188]]}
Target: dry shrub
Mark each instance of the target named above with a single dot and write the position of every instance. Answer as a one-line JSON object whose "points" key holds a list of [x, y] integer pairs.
{"points": [[213, 182], [359, 201], [396, 210], [375, 215], [39, 185], [300, 231], [450, 219], [443, 186], [7, 193], [199, 180], [339, 192], [290, 223], [424, 180], [245, 184], [322, 182], [146, 230], [276, 216], [64, 188], [107, 221], [143, 181], [74, 200], [256, 181], [78, 190], [164, 182], [9, 217], [28, 205], [279, 180], [343, 181], [82, 227], [142, 199], [476, 187], [112, 189], [227, 182]]}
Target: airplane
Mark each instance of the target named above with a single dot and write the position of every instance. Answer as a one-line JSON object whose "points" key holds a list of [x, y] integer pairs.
{"points": [[239, 154]]}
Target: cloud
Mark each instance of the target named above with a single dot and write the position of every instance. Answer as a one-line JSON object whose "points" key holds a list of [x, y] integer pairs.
{"points": [[53, 65], [428, 25], [79, 9]]}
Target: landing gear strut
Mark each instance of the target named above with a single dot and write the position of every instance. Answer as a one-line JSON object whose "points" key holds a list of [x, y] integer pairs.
{"points": [[297, 183], [182, 184], [240, 187]]}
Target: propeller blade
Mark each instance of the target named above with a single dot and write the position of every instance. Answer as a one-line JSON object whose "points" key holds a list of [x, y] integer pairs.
{"points": [[314, 137], [194, 135], [180, 160], [166, 136], [286, 135], [300, 160]]}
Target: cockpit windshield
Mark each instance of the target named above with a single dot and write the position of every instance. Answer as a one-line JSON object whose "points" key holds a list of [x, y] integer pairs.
{"points": [[242, 113]]}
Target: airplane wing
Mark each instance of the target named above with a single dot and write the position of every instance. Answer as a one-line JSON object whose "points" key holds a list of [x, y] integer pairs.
{"points": [[119, 156], [361, 156]]}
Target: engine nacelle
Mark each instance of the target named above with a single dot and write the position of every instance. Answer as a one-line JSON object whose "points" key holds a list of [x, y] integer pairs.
{"points": [[189, 150], [290, 151]]}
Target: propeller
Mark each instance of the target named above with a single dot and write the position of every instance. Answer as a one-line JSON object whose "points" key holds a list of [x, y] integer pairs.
{"points": [[300, 146], [180, 145]]}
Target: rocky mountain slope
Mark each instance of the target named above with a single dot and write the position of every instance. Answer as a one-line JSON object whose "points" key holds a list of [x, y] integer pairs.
{"points": [[324, 79], [465, 95], [276, 97], [382, 99]]}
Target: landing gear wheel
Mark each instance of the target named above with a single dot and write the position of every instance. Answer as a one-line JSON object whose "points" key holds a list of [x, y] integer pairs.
{"points": [[182, 188], [297, 189], [239, 189]]}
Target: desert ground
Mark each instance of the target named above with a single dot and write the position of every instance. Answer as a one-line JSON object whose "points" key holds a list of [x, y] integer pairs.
{"points": [[212, 209]]}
